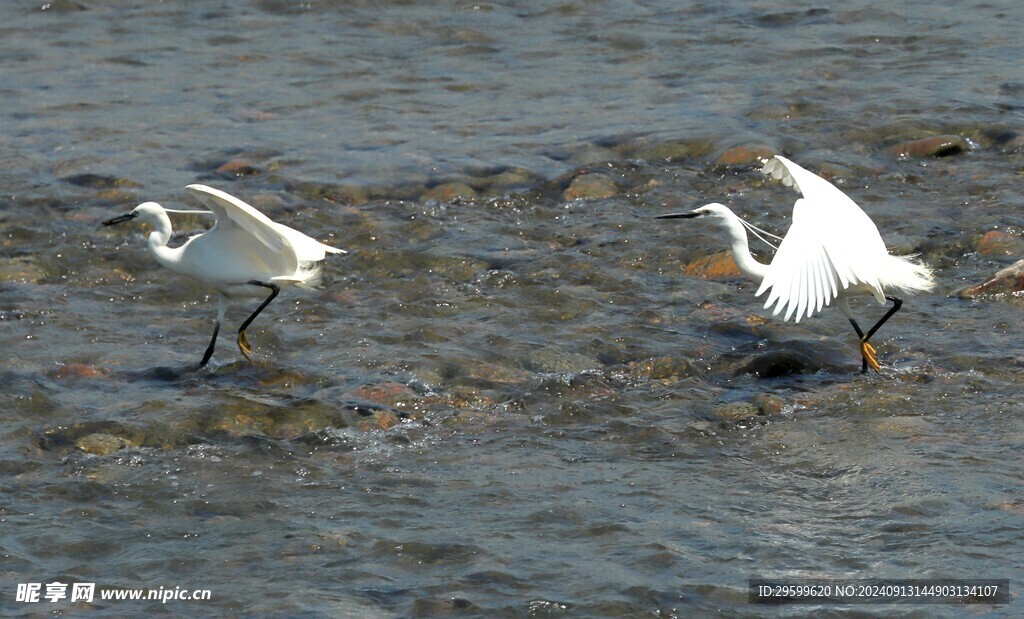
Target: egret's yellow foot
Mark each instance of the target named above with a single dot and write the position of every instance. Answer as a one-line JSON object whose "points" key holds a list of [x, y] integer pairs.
{"points": [[243, 345], [868, 352]]}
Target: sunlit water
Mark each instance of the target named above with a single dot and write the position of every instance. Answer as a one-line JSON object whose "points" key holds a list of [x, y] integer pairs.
{"points": [[508, 404]]}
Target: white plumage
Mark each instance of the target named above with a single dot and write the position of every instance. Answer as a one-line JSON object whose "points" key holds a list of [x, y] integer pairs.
{"points": [[244, 254], [831, 252], [832, 248]]}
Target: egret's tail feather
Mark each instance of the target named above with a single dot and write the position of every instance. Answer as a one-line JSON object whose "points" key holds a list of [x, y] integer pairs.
{"points": [[310, 273], [908, 275]]}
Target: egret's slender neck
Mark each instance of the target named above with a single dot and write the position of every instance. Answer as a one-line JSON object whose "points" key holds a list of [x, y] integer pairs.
{"points": [[158, 239], [746, 263]]}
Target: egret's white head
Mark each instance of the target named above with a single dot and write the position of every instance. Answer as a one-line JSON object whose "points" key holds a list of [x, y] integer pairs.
{"points": [[147, 212], [714, 210]]}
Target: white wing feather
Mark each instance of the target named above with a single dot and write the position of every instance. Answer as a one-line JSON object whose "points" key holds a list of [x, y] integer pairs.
{"points": [[272, 234], [832, 245], [231, 210]]}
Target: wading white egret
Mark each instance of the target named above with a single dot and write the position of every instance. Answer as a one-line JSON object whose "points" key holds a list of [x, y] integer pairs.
{"points": [[831, 252], [243, 255]]}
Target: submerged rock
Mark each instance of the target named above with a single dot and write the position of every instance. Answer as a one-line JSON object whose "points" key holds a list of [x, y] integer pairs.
{"points": [[387, 393], [495, 373], [100, 181], [662, 368], [378, 420], [777, 363], [768, 404], [795, 356], [591, 153], [674, 150], [557, 360], [935, 146], [762, 405], [77, 370], [450, 607], [354, 195], [101, 444], [447, 192], [96, 437], [999, 243], [720, 264], [511, 179], [237, 167], [21, 269], [734, 411], [1006, 281], [665, 152], [590, 186], [746, 154]]}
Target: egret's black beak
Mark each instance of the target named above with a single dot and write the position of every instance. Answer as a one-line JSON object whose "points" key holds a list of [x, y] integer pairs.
{"points": [[686, 215], [120, 218]]}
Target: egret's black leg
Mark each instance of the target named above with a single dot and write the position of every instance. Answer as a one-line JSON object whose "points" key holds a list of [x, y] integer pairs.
{"points": [[863, 350], [213, 344], [867, 350], [243, 341], [896, 305]]}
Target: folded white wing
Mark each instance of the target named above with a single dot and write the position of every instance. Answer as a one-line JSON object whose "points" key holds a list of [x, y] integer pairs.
{"points": [[831, 246]]}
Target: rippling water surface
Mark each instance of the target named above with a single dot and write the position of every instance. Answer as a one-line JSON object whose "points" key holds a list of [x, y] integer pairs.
{"points": [[504, 401]]}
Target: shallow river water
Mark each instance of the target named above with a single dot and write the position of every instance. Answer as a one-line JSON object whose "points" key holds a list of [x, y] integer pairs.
{"points": [[519, 394]]}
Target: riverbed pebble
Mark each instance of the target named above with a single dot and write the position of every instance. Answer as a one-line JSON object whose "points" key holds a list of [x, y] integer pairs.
{"points": [[745, 154], [590, 186], [101, 444], [1000, 243], [935, 146], [447, 192]]}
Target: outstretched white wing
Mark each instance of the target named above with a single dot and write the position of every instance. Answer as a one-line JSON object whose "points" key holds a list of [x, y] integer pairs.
{"points": [[277, 237], [231, 210], [831, 246]]}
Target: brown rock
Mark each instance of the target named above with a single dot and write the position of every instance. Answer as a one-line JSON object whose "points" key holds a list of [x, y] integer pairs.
{"points": [[672, 151], [379, 420], [1010, 279], [661, 368], [101, 444], [354, 195], [448, 192], [389, 393], [590, 186], [237, 167], [666, 152], [768, 404], [999, 243], [23, 269], [100, 181], [746, 154], [77, 370], [763, 404], [495, 373], [735, 411], [935, 146], [720, 264]]}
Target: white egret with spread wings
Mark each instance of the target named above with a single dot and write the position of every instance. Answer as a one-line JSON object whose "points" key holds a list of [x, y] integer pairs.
{"points": [[243, 255], [832, 252]]}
